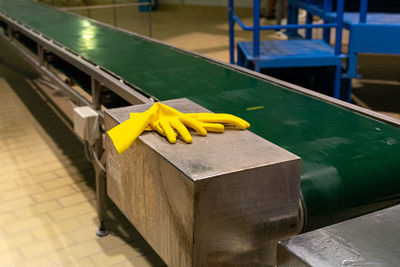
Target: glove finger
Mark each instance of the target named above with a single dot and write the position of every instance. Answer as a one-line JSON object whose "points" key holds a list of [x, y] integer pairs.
{"points": [[194, 124], [155, 126], [221, 118], [213, 127], [168, 132], [182, 130]]}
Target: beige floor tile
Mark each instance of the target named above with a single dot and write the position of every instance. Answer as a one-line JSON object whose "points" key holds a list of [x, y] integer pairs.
{"points": [[15, 204], [72, 211], [67, 171], [37, 209], [45, 168], [10, 258], [63, 227], [7, 217], [54, 194], [45, 246], [77, 198], [21, 192], [16, 240], [75, 252], [58, 183], [108, 242], [88, 217], [111, 241], [26, 224], [29, 156], [81, 186], [84, 233], [35, 179], [150, 259], [30, 163], [80, 263], [13, 175], [41, 261], [119, 254], [6, 161], [7, 186]]}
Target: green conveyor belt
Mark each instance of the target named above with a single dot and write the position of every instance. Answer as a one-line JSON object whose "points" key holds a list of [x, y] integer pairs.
{"points": [[350, 163]]}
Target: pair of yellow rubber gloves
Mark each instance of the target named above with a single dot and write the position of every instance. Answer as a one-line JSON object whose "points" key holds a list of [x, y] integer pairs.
{"points": [[165, 120]]}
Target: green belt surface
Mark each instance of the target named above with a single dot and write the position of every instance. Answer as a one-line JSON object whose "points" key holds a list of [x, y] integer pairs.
{"points": [[350, 163]]}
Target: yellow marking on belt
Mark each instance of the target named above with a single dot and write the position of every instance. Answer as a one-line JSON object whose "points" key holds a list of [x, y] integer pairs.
{"points": [[255, 108]]}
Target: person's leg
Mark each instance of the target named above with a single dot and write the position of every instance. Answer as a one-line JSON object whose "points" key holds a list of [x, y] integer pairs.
{"points": [[270, 9]]}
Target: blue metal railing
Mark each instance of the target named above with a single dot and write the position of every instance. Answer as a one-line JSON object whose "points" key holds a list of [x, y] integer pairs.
{"points": [[256, 28], [327, 7], [279, 27]]}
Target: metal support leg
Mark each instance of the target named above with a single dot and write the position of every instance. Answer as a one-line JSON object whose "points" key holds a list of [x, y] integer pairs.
{"points": [[257, 66], [309, 20], [349, 89], [97, 158], [293, 18], [96, 93], [338, 76], [100, 192], [326, 33], [40, 53], [10, 32], [352, 65]]}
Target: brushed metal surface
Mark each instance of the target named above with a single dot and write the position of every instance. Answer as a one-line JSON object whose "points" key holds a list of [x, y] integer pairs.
{"points": [[225, 199], [369, 240]]}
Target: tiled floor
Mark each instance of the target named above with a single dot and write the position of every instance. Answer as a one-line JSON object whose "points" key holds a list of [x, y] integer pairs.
{"points": [[47, 200]]}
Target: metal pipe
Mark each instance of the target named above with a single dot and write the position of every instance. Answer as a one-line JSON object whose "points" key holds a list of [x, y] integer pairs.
{"points": [[231, 13], [256, 26], [363, 11], [309, 20], [241, 24], [339, 27]]}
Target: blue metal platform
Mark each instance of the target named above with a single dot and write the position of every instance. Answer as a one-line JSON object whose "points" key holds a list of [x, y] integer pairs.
{"points": [[296, 53], [259, 55]]}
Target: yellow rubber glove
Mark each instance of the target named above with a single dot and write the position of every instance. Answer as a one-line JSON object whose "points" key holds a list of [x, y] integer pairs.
{"points": [[165, 120], [168, 119]]}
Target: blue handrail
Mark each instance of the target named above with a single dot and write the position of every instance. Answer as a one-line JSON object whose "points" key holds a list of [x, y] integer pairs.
{"points": [[282, 27]]}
